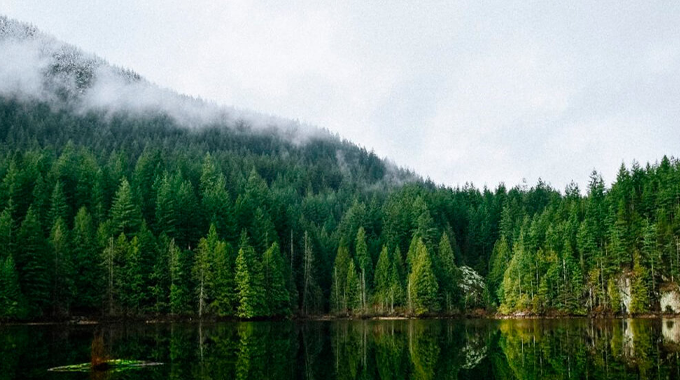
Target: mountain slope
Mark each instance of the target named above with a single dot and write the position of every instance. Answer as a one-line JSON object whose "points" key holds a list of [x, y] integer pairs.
{"points": [[119, 198]]}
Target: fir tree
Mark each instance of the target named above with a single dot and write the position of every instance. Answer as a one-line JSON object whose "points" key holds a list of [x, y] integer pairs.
{"points": [[87, 273], [338, 287], [180, 295], [382, 280], [449, 278], [353, 288], [422, 283], [203, 271], [278, 301], [32, 261], [365, 264], [126, 216], [639, 302], [63, 289], [12, 303], [249, 282]]}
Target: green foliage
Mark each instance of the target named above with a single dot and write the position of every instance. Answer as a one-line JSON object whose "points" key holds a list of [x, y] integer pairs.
{"points": [[278, 300], [87, 274], [63, 288], [126, 217], [250, 283], [12, 303], [32, 261], [639, 293], [422, 283], [339, 286], [325, 203]]}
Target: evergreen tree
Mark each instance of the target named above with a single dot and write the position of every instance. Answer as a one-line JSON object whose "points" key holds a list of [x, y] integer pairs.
{"points": [[396, 280], [12, 303], [353, 288], [365, 264], [250, 282], [126, 216], [278, 301], [203, 270], [63, 289], [338, 287], [32, 261], [639, 302], [449, 278], [133, 289], [180, 295], [58, 205], [422, 283], [166, 210], [225, 294], [87, 273], [382, 280], [7, 233]]}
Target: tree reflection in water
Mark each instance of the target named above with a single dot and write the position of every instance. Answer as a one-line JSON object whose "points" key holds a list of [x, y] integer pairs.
{"points": [[344, 350]]}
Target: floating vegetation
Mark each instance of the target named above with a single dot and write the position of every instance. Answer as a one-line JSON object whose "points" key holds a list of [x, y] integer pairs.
{"points": [[102, 362], [113, 365]]}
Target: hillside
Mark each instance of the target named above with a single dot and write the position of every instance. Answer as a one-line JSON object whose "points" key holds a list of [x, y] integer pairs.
{"points": [[119, 198]]}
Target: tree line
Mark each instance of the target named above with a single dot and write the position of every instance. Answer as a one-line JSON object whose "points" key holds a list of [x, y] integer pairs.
{"points": [[106, 214]]}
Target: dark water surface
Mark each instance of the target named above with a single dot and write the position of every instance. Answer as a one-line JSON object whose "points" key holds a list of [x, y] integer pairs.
{"points": [[424, 349]]}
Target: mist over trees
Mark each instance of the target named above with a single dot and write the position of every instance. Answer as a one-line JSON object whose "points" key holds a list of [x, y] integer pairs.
{"points": [[131, 216], [118, 199]]}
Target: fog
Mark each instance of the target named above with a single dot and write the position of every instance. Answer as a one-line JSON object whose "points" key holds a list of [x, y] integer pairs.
{"points": [[36, 66]]}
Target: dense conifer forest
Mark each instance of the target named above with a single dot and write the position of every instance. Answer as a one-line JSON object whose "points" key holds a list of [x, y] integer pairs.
{"points": [[111, 213], [138, 216]]}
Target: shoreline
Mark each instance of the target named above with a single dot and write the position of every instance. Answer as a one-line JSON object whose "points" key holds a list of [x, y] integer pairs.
{"points": [[86, 321]]}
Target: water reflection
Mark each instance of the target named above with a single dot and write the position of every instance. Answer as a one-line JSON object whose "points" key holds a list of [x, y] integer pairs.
{"points": [[430, 349]]}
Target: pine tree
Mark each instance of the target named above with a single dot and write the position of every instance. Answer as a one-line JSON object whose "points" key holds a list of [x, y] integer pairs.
{"points": [[500, 257], [338, 287], [382, 280], [126, 216], [58, 205], [12, 303], [278, 300], [203, 271], [32, 261], [365, 264], [449, 279], [180, 295], [422, 283], [133, 287], [166, 210], [63, 289], [249, 282], [87, 273], [396, 280], [353, 288], [639, 291], [7, 233], [160, 276], [188, 220], [225, 297]]}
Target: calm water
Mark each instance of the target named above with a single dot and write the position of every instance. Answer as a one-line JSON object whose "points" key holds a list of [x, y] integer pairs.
{"points": [[432, 349]]}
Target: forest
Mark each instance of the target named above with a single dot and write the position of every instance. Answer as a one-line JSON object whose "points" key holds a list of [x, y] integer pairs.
{"points": [[120, 216]]}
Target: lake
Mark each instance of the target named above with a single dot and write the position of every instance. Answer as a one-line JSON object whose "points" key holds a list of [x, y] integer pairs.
{"points": [[395, 349]]}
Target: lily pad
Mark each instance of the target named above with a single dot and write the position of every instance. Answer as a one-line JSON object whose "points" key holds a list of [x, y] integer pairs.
{"points": [[113, 365]]}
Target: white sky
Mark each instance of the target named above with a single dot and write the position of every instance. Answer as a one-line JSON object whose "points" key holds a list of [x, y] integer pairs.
{"points": [[460, 91]]}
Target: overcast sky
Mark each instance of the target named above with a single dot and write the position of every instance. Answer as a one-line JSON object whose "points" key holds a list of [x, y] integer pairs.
{"points": [[460, 91]]}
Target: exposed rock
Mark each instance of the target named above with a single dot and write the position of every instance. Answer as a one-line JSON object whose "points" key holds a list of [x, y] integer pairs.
{"points": [[670, 329], [670, 299], [624, 284]]}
